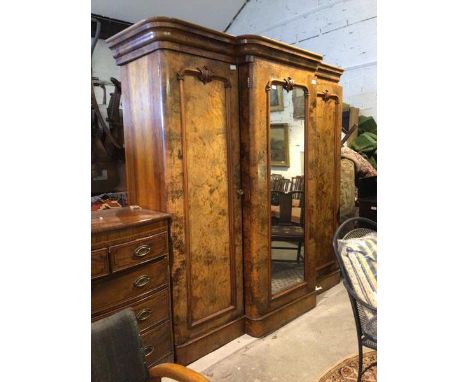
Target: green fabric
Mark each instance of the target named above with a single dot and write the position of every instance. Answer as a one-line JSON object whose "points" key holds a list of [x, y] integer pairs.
{"points": [[367, 124], [366, 141]]}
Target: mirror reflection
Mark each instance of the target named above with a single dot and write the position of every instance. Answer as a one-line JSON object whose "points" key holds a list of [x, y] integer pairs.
{"points": [[287, 141]]}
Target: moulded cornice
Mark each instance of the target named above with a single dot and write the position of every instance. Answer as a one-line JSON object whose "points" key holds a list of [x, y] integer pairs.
{"points": [[157, 33]]}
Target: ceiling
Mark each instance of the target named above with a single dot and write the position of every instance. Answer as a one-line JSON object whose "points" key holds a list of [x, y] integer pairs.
{"points": [[213, 14]]}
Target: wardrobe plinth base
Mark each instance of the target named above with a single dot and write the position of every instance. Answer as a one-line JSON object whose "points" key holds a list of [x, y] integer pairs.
{"points": [[261, 326], [328, 280], [198, 347]]}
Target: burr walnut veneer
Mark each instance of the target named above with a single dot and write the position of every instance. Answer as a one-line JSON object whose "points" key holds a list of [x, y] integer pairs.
{"points": [[130, 269], [196, 116]]}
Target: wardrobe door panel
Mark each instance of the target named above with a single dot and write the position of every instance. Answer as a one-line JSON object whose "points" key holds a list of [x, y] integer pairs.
{"points": [[208, 204], [279, 97], [203, 177], [327, 168]]}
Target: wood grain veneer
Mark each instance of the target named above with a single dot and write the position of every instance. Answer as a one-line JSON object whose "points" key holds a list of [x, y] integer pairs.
{"points": [[130, 269], [196, 116]]}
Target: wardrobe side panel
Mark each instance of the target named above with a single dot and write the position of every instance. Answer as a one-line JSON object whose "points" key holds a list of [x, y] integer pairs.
{"points": [[144, 134]]}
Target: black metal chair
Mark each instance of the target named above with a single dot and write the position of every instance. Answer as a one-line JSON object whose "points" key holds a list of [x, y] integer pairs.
{"points": [[365, 315]]}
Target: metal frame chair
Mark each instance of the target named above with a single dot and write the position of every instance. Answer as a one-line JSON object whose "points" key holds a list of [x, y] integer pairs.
{"points": [[365, 315]]}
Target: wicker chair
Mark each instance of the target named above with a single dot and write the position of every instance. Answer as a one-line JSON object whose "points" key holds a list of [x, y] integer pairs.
{"points": [[365, 315]]}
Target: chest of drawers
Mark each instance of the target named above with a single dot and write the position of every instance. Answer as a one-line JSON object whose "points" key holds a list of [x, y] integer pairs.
{"points": [[130, 269]]}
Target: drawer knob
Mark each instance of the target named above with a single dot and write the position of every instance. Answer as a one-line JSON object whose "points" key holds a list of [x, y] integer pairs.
{"points": [[141, 281], [143, 314], [142, 250], [148, 350]]}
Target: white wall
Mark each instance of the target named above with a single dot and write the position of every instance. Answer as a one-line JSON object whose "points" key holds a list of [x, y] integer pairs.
{"points": [[344, 32]]}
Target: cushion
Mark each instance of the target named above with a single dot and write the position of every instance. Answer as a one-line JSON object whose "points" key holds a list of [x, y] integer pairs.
{"points": [[275, 211], [359, 257], [296, 202], [296, 215]]}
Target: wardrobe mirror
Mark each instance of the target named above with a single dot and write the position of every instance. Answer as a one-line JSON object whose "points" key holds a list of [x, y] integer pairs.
{"points": [[287, 140]]}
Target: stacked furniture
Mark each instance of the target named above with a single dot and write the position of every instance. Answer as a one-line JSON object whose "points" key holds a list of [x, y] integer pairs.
{"points": [[130, 269], [197, 118]]}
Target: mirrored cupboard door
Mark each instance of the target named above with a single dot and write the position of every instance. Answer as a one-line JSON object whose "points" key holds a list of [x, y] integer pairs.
{"points": [[287, 191], [276, 135]]}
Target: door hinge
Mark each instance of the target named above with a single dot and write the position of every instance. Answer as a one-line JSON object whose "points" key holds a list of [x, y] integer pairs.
{"points": [[249, 83]]}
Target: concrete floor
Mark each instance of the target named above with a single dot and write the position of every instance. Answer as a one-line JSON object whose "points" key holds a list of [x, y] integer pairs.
{"points": [[299, 351]]}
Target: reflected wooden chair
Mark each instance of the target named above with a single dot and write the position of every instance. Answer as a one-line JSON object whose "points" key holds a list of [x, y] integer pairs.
{"points": [[285, 229], [297, 183], [279, 183], [275, 181], [117, 354]]}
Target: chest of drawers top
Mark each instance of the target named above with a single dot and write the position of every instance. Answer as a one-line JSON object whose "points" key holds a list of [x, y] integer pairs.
{"points": [[120, 225], [123, 218]]}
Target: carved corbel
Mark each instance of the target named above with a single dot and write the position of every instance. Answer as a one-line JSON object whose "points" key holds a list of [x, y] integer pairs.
{"points": [[288, 84], [205, 74], [326, 96]]}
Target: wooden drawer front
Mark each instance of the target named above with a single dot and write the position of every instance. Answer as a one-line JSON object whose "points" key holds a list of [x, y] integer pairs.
{"points": [[168, 358], [152, 310], [127, 255], [157, 342], [113, 291], [99, 263], [149, 311]]}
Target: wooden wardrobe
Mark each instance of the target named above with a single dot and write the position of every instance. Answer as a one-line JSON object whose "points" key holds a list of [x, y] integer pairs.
{"points": [[196, 117]]}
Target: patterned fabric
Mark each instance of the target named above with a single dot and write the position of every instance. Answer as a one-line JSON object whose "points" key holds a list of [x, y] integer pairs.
{"points": [[360, 261], [347, 370], [363, 167], [109, 200], [347, 190]]}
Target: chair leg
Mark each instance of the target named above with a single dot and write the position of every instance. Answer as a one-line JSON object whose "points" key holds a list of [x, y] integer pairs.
{"points": [[299, 247], [360, 363]]}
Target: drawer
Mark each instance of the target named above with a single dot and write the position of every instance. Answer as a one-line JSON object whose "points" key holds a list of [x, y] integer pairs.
{"points": [[168, 358], [99, 263], [157, 343], [115, 290], [149, 311], [152, 310], [129, 254]]}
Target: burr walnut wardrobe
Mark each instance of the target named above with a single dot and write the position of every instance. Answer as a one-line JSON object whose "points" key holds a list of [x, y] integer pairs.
{"points": [[199, 107]]}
